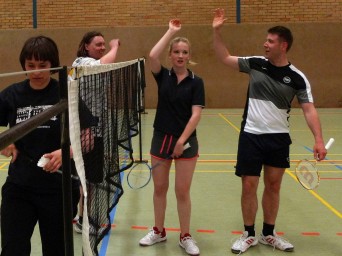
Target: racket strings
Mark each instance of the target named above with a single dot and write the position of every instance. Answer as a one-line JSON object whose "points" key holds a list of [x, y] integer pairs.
{"points": [[139, 175], [307, 174]]}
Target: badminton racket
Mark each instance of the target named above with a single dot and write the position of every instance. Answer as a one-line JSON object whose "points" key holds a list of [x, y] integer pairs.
{"points": [[307, 173], [141, 172]]}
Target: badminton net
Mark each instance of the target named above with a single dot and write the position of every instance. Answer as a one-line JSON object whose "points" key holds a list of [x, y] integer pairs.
{"points": [[110, 92]]}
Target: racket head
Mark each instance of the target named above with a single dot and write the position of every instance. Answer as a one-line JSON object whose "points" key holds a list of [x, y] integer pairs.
{"points": [[307, 174], [139, 175]]}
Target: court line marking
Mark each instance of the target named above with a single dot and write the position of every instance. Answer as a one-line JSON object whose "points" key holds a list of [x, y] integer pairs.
{"points": [[229, 122], [326, 159], [318, 197], [4, 164], [233, 232], [106, 238], [310, 234]]}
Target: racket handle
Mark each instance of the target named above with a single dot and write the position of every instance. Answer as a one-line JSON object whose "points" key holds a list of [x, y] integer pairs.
{"points": [[329, 144], [74, 177]]}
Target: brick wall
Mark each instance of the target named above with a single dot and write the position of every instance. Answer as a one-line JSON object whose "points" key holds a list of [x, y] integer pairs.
{"points": [[18, 14]]}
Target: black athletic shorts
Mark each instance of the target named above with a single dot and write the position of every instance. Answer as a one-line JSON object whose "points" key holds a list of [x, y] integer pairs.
{"points": [[254, 151], [162, 146]]}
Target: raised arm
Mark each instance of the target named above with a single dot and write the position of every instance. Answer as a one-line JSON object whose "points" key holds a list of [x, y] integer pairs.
{"points": [[157, 50], [221, 50], [110, 56]]}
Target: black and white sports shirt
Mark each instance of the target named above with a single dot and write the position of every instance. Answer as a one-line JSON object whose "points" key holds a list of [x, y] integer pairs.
{"points": [[270, 93]]}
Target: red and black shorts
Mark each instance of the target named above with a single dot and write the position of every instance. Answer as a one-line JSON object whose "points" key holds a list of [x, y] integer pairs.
{"points": [[162, 146]]}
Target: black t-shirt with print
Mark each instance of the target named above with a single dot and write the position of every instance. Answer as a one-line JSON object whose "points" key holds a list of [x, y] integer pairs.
{"points": [[18, 103]]}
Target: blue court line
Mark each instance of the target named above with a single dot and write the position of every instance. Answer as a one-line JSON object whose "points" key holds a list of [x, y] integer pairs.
{"points": [[337, 166], [105, 240]]}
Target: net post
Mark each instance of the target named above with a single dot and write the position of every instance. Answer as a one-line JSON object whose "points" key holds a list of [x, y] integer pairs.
{"points": [[66, 177], [142, 85], [141, 106]]}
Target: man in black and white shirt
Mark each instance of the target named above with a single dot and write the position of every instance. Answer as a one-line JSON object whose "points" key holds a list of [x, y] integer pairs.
{"points": [[264, 140]]}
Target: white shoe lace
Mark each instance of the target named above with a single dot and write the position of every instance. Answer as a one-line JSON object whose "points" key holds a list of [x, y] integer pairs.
{"points": [[151, 235], [189, 244], [240, 242], [279, 242]]}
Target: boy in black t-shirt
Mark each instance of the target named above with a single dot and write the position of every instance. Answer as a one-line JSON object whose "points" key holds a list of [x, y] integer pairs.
{"points": [[33, 194]]}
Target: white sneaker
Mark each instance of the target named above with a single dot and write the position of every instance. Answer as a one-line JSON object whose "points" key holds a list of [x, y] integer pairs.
{"points": [[243, 243], [276, 242], [153, 237], [189, 245]]}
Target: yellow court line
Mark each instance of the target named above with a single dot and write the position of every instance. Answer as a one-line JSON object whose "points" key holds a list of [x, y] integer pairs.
{"points": [[324, 202], [229, 122], [229, 171], [4, 164], [322, 162], [329, 206]]}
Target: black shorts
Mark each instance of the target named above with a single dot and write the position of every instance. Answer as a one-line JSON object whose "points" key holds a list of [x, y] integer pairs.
{"points": [[162, 146], [254, 151]]}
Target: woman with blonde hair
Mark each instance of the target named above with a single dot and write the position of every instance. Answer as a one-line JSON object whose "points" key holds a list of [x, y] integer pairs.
{"points": [[181, 99]]}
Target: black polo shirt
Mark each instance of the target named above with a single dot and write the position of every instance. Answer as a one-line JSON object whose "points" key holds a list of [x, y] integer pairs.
{"points": [[175, 101]]}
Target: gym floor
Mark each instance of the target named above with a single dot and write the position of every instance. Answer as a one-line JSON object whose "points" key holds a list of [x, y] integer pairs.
{"points": [[311, 220]]}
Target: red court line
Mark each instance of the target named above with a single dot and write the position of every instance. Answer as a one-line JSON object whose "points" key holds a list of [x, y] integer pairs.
{"points": [[173, 229], [139, 227], [205, 231], [234, 232], [310, 233], [106, 225], [237, 232]]}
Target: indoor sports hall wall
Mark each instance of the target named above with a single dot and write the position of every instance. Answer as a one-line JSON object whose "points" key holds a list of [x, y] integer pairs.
{"points": [[18, 14], [316, 51]]}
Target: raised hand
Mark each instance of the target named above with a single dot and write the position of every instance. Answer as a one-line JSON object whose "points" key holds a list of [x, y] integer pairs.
{"points": [[175, 24], [114, 43], [219, 18]]}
